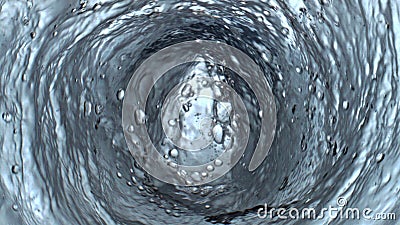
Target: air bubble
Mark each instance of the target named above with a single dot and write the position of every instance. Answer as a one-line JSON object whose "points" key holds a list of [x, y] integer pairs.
{"points": [[173, 153], [380, 157], [218, 162], [96, 6], [218, 133], [140, 116], [345, 105], [172, 122], [98, 109], [7, 117], [87, 108], [172, 164], [285, 31], [195, 190], [25, 20], [131, 128], [186, 91], [320, 95], [311, 88], [119, 175], [120, 94], [15, 169], [186, 107], [196, 176]]}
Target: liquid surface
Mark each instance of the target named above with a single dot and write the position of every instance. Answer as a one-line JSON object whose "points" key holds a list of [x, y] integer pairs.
{"points": [[65, 65]]}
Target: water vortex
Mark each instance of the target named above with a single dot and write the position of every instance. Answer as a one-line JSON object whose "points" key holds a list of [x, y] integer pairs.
{"points": [[65, 74]]}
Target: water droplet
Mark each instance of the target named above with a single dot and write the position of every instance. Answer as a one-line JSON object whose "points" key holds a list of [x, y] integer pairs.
{"points": [[55, 33], [380, 157], [33, 34], [15, 169], [218, 162], [140, 116], [173, 153], [299, 70], [345, 105], [120, 94], [260, 113], [7, 117], [207, 206], [210, 168], [15, 207]]}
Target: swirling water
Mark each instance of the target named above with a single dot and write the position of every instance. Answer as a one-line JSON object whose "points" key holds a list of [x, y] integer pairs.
{"points": [[332, 65]]}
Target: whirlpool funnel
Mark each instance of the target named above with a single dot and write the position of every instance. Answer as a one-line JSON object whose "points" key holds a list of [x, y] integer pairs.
{"points": [[199, 112]]}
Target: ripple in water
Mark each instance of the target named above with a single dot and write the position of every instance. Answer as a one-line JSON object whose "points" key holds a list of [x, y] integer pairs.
{"points": [[65, 66]]}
